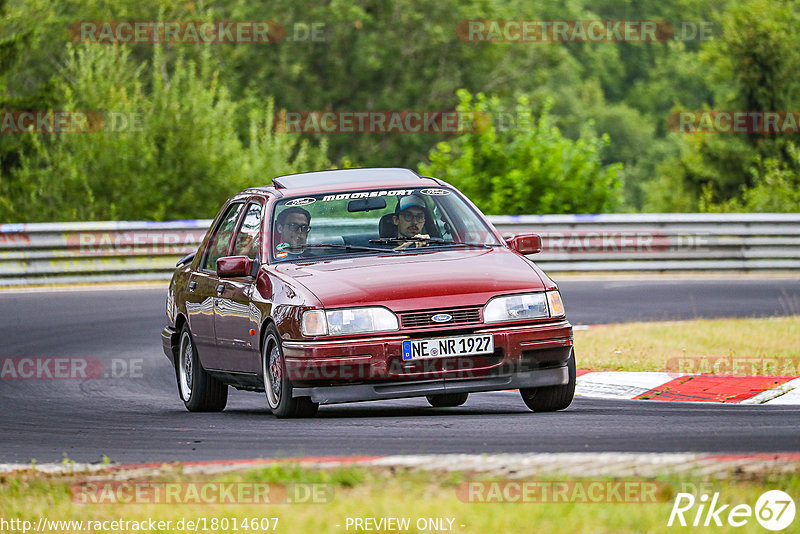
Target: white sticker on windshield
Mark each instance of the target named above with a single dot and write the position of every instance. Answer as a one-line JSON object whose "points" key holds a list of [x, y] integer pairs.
{"points": [[301, 201], [368, 194], [435, 192]]}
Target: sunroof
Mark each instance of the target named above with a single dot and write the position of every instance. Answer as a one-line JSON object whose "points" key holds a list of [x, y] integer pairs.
{"points": [[344, 176]]}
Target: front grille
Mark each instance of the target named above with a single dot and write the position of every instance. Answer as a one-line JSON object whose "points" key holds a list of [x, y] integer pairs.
{"points": [[460, 316]]}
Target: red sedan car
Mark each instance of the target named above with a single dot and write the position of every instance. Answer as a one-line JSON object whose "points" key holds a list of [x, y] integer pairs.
{"points": [[364, 284]]}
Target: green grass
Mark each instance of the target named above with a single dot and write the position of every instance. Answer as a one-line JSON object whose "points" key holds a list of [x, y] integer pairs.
{"points": [[709, 346], [357, 492]]}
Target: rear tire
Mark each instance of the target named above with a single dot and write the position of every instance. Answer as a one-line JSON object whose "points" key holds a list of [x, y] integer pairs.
{"points": [[199, 391], [277, 385], [447, 400], [552, 398]]}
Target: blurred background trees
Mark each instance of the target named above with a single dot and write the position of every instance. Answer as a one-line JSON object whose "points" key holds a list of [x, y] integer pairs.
{"points": [[524, 164], [590, 131]]}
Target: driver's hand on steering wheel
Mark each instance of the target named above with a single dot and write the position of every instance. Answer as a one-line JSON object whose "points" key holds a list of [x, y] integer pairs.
{"points": [[416, 244]]}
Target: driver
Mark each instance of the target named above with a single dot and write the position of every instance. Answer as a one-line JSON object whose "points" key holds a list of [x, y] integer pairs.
{"points": [[409, 218], [293, 226]]}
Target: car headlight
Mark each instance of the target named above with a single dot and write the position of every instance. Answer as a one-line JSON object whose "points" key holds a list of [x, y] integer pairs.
{"points": [[348, 321], [524, 306]]}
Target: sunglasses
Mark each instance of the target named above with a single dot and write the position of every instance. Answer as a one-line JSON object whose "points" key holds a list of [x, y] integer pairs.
{"points": [[294, 227], [408, 217]]}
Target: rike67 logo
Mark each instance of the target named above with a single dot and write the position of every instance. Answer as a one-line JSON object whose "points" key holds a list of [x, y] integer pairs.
{"points": [[774, 510]]}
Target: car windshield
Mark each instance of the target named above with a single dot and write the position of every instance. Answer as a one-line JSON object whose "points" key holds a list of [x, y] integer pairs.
{"points": [[375, 221]]}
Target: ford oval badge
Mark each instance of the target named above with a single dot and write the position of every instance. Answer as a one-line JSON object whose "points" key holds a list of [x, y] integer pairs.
{"points": [[441, 318]]}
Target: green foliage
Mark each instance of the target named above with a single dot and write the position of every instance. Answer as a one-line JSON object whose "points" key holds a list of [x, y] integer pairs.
{"points": [[381, 55], [751, 67], [776, 187], [173, 153], [755, 63], [206, 110], [523, 164]]}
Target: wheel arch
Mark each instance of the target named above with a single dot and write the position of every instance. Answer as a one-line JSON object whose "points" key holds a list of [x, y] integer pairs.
{"points": [[180, 321], [264, 326]]}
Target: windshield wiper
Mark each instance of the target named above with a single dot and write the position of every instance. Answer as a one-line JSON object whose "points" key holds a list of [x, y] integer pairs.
{"points": [[431, 240], [344, 247], [440, 241]]}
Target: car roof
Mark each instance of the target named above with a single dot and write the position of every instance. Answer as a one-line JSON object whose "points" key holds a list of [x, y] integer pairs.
{"points": [[345, 180]]}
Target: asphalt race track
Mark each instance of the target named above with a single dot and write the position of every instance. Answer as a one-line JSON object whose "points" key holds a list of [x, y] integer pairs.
{"points": [[137, 417]]}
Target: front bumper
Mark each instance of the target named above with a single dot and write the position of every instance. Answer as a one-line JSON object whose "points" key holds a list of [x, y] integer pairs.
{"points": [[519, 349]]}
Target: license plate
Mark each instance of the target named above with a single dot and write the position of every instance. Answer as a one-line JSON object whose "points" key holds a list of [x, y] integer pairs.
{"points": [[448, 346]]}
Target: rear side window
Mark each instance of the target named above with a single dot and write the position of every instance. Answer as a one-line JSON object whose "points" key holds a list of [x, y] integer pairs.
{"points": [[219, 242]]}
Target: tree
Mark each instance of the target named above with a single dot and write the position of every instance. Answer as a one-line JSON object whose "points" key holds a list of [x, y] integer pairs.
{"points": [[752, 67], [518, 163], [174, 153]]}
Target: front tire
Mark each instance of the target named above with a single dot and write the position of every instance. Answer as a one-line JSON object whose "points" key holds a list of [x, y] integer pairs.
{"points": [[199, 391], [552, 398], [277, 385], [447, 400]]}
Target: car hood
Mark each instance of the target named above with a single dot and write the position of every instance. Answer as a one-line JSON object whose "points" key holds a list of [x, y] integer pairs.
{"points": [[410, 281]]}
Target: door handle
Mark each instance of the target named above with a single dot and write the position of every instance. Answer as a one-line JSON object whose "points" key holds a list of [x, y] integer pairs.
{"points": [[192, 285], [220, 289]]}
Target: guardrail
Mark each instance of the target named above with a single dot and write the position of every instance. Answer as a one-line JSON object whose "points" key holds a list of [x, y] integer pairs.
{"points": [[659, 242], [42, 253]]}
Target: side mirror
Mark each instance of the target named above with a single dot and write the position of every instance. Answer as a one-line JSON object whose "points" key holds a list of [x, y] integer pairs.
{"points": [[525, 243], [234, 266]]}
